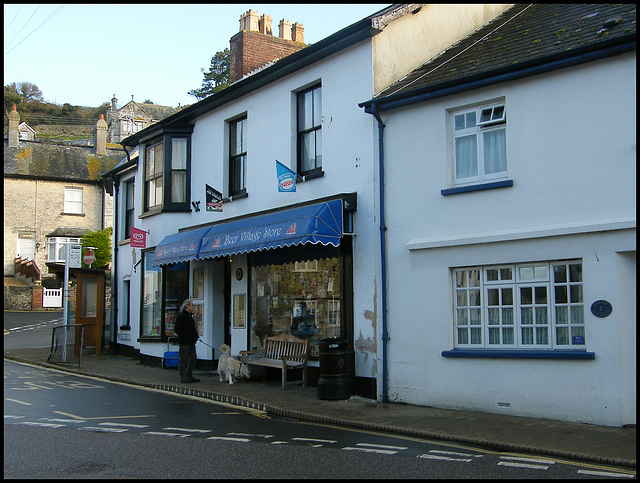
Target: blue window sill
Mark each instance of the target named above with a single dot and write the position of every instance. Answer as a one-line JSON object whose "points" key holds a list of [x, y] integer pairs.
{"points": [[477, 187], [519, 354]]}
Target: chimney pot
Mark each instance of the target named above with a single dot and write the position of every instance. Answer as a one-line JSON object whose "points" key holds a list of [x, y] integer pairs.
{"points": [[297, 33], [265, 25]]}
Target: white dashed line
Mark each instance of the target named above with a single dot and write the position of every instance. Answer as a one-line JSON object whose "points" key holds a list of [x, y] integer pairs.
{"points": [[605, 474]]}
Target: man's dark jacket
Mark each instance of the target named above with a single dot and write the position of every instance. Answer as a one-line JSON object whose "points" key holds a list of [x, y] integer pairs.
{"points": [[185, 328]]}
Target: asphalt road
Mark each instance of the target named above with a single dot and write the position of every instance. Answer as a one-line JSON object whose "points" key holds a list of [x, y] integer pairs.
{"points": [[59, 425]]}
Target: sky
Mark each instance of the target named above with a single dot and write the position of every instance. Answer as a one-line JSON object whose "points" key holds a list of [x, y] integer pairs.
{"points": [[83, 54]]}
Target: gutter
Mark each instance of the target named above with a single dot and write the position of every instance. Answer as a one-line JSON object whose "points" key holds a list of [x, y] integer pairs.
{"points": [[383, 252]]}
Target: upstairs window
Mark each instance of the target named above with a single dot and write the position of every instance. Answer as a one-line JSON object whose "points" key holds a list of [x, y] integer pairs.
{"points": [[73, 201], [310, 131], [166, 174], [154, 175], [237, 156], [129, 216], [480, 144]]}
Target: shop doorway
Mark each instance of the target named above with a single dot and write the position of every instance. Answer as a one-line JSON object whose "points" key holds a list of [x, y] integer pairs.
{"points": [[227, 302]]}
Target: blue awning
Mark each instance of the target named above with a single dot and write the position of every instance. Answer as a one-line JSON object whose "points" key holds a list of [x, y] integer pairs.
{"points": [[179, 247], [317, 223]]}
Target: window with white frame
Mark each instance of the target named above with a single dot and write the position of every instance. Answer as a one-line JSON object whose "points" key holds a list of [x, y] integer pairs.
{"points": [[310, 130], [479, 144], [524, 306], [237, 156], [73, 200], [56, 250]]}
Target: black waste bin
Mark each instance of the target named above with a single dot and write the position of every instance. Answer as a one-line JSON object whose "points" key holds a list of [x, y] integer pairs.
{"points": [[334, 381]]}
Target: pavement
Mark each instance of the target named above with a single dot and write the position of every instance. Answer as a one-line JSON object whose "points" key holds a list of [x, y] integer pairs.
{"points": [[585, 442]]}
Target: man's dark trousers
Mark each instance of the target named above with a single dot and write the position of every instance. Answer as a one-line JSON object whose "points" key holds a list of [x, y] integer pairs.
{"points": [[186, 361]]}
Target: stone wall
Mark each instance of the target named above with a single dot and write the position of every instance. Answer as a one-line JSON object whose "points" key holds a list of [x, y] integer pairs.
{"points": [[18, 298]]}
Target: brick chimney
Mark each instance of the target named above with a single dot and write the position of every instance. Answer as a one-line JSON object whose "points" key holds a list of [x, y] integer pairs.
{"points": [[254, 45], [12, 131], [100, 137]]}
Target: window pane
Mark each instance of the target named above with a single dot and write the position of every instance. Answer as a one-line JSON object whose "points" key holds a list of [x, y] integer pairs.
{"points": [[541, 316], [562, 336], [508, 336], [495, 151], [305, 111], [471, 119], [562, 315], [459, 122], [317, 106], [475, 318], [179, 153], [462, 317], [560, 273], [466, 156], [577, 315], [308, 151], [461, 279], [542, 336], [492, 275], [494, 316], [507, 316], [526, 316], [576, 294], [527, 335], [178, 186], [507, 296], [462, 298], [318, 153], [474, 298], [561, 295], [575, 273], [151, 298], [476, 336], [541, 295], [526, 297], [493, 297], [463, 336], [474, 278]]}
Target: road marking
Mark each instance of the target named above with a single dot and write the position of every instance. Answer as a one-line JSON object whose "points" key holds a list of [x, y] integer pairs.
{"points": [[382, 446], [105, 417], [158, 433], [522, 465], [188, 430], [528, 460], [265, 436], [16, 401], [314, 440], [370, 450], [74, 421], [44, 425], [125, 425], [453, 453], [443, 458], [103, 430], [605, 473], [227, 438], [9, 416]]}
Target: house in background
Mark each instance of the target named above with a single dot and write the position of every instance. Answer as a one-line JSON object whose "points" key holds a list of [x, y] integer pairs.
{"points": [[275, 260], [53, 195], [132, 117], [510, 207], [26, 132]]}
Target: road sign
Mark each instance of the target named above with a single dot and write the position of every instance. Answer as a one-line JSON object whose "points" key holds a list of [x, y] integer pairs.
{"points": [[89, 257], [75, 256]]}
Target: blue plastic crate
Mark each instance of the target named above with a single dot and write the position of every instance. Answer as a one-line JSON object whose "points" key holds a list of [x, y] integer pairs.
{"points": [[170, 359]]}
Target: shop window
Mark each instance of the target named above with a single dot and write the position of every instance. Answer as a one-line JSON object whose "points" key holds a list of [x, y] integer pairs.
{"points": [[164, 290], [299, 297]]}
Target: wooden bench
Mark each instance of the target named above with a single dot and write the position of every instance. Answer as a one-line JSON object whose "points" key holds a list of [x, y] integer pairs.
{"points": [[281, 352]]}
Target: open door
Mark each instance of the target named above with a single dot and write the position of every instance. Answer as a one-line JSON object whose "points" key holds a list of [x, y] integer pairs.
{"points": [[90, 303]]}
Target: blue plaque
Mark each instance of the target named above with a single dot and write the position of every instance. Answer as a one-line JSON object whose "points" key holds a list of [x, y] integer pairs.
{"points": [[601, 308]]}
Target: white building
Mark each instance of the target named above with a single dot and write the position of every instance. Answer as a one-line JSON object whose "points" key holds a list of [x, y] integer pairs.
{"points": [[302, 111], [510, 208]]}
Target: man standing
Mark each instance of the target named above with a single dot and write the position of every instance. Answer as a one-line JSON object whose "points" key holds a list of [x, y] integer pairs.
{"points": [[187, 333]]}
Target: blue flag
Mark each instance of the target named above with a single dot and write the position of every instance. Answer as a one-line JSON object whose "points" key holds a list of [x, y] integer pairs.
{"points": [[286, 178]]}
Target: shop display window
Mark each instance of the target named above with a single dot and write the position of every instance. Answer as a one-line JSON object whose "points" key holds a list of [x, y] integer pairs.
{"points": [[299, 297]]}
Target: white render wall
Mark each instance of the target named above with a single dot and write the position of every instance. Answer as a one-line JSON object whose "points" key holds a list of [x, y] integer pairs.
{"points": [[571, 155], [348, 153]]}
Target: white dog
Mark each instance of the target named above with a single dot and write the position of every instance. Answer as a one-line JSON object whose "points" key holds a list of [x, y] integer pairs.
{"points": [[231, 369]]}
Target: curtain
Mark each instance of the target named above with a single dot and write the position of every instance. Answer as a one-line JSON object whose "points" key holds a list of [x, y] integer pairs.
{"points": [[466, 156], [495, 151]]}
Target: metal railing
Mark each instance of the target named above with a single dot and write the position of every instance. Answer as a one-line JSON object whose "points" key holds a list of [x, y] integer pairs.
{"points": [[66, 344]]}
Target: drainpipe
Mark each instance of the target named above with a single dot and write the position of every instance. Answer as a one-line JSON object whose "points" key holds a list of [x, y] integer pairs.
{"points": [[383, 252]]}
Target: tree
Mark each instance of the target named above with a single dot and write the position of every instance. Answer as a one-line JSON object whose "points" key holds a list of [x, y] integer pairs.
{"points": [[101, 240], [216, 79]]}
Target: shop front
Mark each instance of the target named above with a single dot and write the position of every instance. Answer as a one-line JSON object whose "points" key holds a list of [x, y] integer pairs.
{"points": [[283, 272]]}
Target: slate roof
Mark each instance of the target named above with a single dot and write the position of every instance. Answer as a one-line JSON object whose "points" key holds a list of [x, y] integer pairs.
{"points": [[57, 162], [523, 34]]}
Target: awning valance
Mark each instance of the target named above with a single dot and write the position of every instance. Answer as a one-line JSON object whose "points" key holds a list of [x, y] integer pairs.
{"points": [[179, 247], [317, 223]]}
